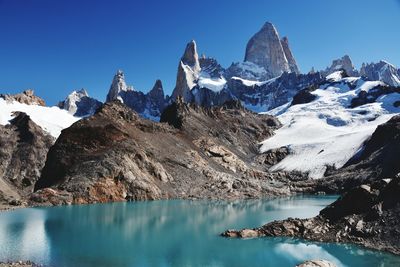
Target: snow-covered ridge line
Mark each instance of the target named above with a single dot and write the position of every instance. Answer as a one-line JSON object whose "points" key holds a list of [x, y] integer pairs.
{"points": [[326, 131], [51, 119]]}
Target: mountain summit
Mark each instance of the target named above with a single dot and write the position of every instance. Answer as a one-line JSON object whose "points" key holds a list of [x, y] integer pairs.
{"points": [[266, 50]]}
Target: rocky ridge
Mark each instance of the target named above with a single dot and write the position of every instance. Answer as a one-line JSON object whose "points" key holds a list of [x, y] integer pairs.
{"points": [[149, 105], [195, 153], [26, 97]]}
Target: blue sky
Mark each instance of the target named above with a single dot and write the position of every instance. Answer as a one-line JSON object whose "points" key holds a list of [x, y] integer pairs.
{"points": [[56, 46]]}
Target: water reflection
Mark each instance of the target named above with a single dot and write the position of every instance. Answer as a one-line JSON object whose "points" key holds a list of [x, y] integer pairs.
{"points": [[168, 233]]}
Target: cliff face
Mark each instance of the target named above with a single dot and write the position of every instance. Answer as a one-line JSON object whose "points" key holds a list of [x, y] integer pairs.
{"points": [[197, 153], [265, 50], [23, 149]]}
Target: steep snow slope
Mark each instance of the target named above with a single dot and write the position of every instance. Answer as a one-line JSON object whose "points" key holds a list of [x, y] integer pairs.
{"points": [[51, 119], [326, 131]]}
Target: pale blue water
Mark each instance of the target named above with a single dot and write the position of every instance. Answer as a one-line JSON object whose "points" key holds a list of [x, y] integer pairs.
{"points": [[169, 233]]}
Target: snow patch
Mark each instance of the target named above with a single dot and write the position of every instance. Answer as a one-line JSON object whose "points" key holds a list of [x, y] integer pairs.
{"points": [[327, 132], [214, 84], [50, 119]]}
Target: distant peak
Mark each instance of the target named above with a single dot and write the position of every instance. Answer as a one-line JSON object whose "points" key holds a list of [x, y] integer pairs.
{"points": [[157, 86], [190, 56]]}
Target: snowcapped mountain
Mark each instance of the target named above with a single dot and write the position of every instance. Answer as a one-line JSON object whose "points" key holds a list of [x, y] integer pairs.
{"points": [[51, 119], [78, 103], [330, 128], [381, 71]]}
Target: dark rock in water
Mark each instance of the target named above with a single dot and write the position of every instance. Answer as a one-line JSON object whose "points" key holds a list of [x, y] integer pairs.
{"points": [[26, 97], [23, 149], [316, 263], [115, 156], [79, 104], [356, 201], [362, 216]]}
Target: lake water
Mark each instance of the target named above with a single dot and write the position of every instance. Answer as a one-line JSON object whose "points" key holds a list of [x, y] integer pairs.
{"points": [[169, 233]]}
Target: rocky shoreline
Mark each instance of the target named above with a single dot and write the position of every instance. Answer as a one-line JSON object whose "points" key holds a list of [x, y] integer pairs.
{"points": [[367, 215]]}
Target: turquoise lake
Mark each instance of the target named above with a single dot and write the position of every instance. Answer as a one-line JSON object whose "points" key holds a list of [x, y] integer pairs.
{"points": [[169, 233]]}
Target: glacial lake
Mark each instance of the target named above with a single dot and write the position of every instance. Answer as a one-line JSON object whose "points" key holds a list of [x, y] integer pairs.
{"points": [[169, 233]]}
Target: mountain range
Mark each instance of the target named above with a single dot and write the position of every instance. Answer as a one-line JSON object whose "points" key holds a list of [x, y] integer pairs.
{"points": [[258, 128]]}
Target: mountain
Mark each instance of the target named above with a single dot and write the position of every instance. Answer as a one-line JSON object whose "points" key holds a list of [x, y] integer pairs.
{"points": [[195, 152], [382, 71], [343, 63], [79, 104], [204, 81], [265, 50], [149, 105], [326, 131]]}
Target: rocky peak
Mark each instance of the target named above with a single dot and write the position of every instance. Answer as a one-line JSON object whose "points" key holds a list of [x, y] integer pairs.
{"points": [[188, 73], [118, 85], [78, 103], [289, 56], [343, 63], [26, 97], [190, 56], [157, 90], [381, 71], [265, 50]]}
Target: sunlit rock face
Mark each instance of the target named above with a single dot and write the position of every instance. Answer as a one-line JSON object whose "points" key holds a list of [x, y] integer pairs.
{"points": [[265, 50]]}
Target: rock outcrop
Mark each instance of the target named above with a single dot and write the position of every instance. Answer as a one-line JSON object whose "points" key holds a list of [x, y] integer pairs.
{"points": [[79, 104], [289, 56], [197, 153], [367, 215], [23, 149], [343, 63], [381, 71], [26, 97], [265, 50], [316, 263]]}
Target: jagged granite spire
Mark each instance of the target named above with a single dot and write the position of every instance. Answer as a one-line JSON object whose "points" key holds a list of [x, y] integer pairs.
{"points": [[188, 72], [156, 96], [343, 63], [289, 56], [265, 50], [190, 56], [118, 84], [381, 71]]}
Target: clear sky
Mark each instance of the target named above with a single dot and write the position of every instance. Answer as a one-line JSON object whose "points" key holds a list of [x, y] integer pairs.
{"points": [[56, 46]]}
